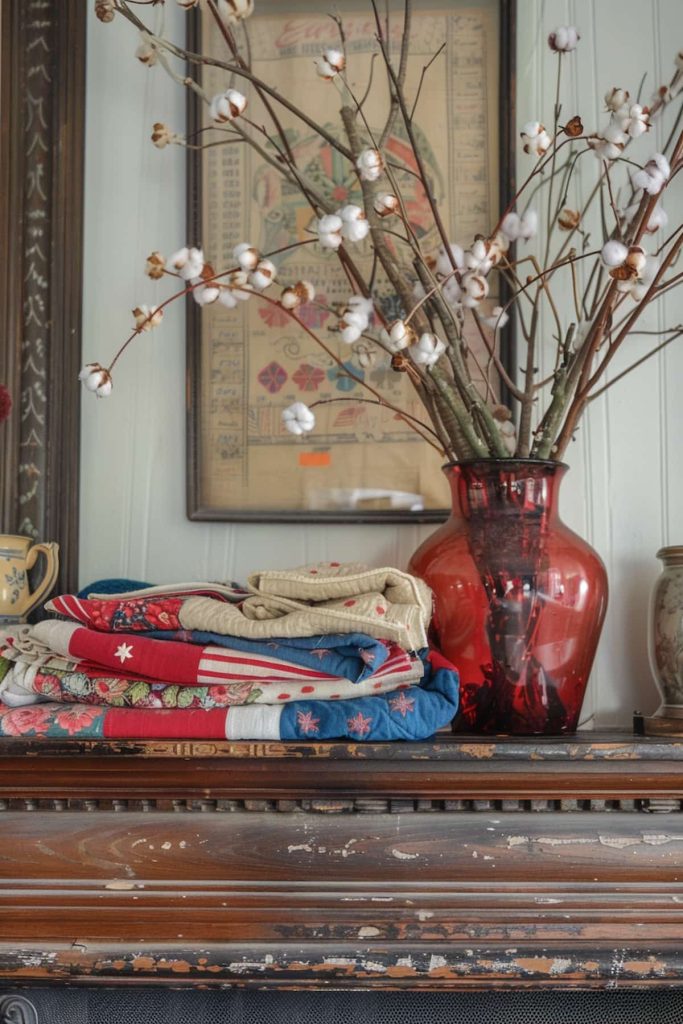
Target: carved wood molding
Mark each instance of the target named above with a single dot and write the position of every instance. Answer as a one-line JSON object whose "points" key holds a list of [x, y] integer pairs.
{"points": [[462, 863], [17, 1010], [361, 805], [42, 64]]}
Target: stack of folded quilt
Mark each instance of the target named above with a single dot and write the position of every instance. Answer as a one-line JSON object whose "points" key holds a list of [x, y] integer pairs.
{"points": [[334, 650]]}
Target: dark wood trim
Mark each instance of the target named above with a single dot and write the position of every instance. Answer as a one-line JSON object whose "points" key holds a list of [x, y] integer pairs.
{"points": [[417, 866], [42, 100]]}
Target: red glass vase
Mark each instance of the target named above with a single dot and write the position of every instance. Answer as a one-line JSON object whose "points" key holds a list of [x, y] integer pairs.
{"points": [[519, 598]]}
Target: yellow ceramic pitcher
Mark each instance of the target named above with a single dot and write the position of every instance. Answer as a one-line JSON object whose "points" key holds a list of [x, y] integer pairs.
{"points": [[17, 556]]}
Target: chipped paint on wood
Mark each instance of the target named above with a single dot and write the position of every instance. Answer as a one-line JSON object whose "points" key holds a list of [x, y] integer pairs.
{"points": [[449, 968]]}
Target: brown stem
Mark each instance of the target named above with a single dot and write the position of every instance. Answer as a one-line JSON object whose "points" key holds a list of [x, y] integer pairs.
{"points": [[524, 433], [638, 362], [241, 72], [411, 420], [232, 46], [402, 69]]}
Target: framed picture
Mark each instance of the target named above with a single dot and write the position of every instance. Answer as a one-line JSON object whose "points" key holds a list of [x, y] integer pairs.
{"points": [[42, 132], [362, 463]]}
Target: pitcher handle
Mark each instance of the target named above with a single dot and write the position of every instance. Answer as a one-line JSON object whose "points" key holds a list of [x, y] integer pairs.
{"points": [[50, 550]]}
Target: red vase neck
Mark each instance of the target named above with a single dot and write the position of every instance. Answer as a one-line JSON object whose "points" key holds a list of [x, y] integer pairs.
{"points": [[505, 487]]}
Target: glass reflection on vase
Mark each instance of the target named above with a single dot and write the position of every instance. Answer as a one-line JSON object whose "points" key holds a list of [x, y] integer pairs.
{"points": [[520, 599]]}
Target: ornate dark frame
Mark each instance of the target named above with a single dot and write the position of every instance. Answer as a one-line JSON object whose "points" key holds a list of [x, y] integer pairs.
{"points": [[42, 104], [195, 509]]}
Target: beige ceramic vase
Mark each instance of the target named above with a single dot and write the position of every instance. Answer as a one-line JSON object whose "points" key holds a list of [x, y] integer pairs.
{"points": [[18, 555], [666, 637]]}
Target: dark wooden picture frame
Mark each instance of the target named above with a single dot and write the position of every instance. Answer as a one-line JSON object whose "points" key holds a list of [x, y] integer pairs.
{"points": [[42, 106], [197, 508]]}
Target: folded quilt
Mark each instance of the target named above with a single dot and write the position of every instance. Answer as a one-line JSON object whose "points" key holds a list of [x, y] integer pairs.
{"points": [[135, 588], [414, 713], [209, 658], [327, 598], [47, 677]]}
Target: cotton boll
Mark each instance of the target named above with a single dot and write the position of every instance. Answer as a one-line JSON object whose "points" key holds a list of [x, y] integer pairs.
{"points": [[569, 219], [564, 39], [187, 263], [263, 276], [239, 285], [147, 317], [452, 293], [475, 287], [329, 230], [246, 255], [226, 106], [370, 164], [205, 294], [356, 230], [399, 336], [497, 320], [613, 253], [155, 266], [443, 263], [297, 295], [616, 98], [330, 64], [227, 298], [477, 258], [96, 379], [511, 226], [234, 11], [428, 349], [638, 121], [354, 224], [386, 205], [653, 175], [658, 219], [528, 226], [146, 52], [361, 304], [298, 418], [351, 326], [535, 138]]}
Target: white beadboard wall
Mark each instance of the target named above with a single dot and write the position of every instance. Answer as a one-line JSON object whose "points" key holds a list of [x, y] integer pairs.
{"points": [[624, 492]]}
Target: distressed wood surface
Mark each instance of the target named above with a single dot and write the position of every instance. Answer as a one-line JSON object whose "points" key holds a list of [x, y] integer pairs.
{"points": [[462, 863], [454, 768], [313, 966]]}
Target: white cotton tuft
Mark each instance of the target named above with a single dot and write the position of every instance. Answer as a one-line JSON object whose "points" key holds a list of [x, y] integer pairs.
{"points": [[370, 164], [653, 175], [498, 318], [187, 263], [246, 255], [428, 349], [263, 276], [329, 228], [564, 39], [386, 205], [330, 64], [226, 106], [298, 418], [354, 224], [613, 253], [96, 379]]}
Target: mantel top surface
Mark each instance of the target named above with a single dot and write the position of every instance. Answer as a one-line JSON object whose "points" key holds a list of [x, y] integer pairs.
{"points": [[582, 747]]}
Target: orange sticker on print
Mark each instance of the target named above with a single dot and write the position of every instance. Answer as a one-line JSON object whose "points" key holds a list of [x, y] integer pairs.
{"points": [[314, 458]]}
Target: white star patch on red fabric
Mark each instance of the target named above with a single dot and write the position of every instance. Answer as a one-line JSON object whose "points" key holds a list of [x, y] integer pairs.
{"points": [[123, 652]]}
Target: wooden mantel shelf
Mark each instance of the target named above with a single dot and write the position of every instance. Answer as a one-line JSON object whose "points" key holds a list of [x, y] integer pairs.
{"points": [[463, 863]]}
